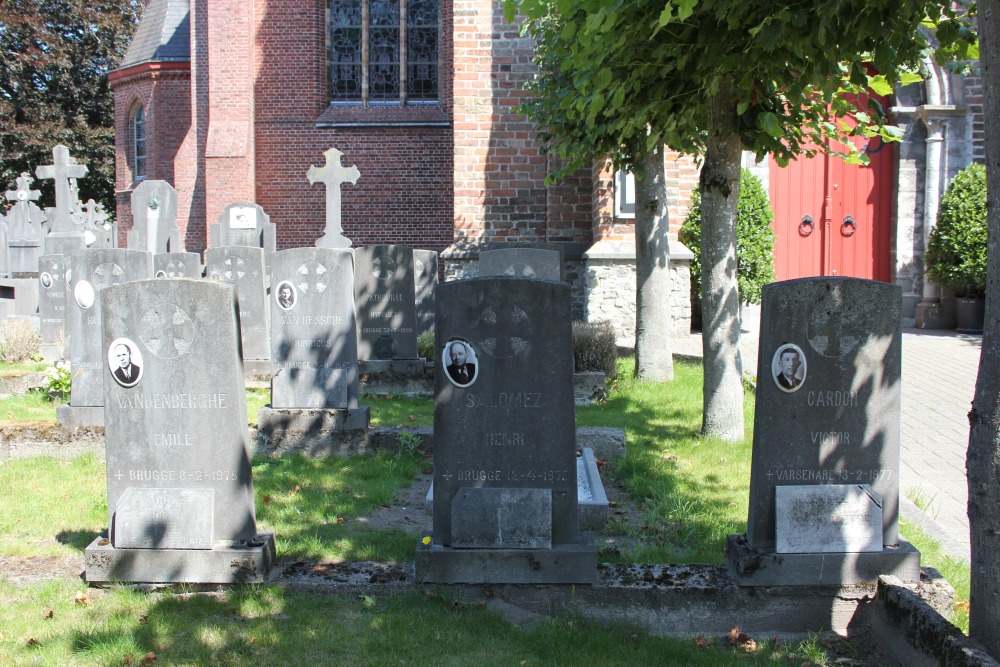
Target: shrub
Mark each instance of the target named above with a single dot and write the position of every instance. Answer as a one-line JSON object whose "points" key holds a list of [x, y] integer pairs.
{"points": [[754, 239], [59, 381], [594, 347], [425, 346], [19, 339], [956, 250]]}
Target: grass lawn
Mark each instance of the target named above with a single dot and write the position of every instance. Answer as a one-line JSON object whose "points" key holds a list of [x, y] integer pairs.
{"points": [[690, 492]]}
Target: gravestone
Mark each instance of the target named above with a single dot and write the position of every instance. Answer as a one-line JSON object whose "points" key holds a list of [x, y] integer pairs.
{"points": [[384, 294], [425, 279], [314, 357], [827, 414], [505, 472], [98, 232], [245, 224], [333, 174], [4, 256], [52, 305], [244, 267], [522, 263], [91, 271], [25, 233], [180, 489], [65, 233], [154, 219], [177, 265]]}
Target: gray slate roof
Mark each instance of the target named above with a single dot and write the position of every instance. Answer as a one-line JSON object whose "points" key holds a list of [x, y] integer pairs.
{"points": [[164, 34]]}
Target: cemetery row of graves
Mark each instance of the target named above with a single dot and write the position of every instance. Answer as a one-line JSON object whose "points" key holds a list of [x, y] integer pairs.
{"points": [[160, 348]]}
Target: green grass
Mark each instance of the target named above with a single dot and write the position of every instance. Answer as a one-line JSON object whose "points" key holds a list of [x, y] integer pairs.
{"points": [[30, 366], [33, 406], [400, 410], [957, 572], [273, 625], [692, 491]]}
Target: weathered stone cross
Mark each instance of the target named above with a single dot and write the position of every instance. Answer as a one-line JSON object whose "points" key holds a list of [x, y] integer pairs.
{"points": [[333, 174], [25, 217], [62, 170]]}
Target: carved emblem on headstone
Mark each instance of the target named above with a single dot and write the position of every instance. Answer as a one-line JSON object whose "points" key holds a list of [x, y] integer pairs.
{"points": [[519, 271], [384, 267], [108, 274], [311, 278], [167, 331], [505, 332], [235, 269]]}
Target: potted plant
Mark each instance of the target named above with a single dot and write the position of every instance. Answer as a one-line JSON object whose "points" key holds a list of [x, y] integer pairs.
{"points": [[956, 250]]}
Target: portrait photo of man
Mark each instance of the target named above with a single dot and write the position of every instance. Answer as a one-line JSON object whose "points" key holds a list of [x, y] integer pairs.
{"points": [[461, 362], [124, 362], [286, 295], [789, 367]]}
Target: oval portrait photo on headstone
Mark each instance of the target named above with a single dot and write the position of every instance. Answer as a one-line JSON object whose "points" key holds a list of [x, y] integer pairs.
{"points": [[125, 362], [84, 294], [788, 367], [286, 295], [46, 279], [460, 362]]}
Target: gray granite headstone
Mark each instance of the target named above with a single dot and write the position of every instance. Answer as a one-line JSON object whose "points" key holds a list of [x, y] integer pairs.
{"points": [[504, 437], [425, 279], [246, 224], [91, 273], [384, 294], [177, 265], [827, 518], [522, 263], [314, 357], [52, 304], [65, 233], [244, 267], [154, 219], [178, 456], [25, 233], [828, 393], [4, 256]]}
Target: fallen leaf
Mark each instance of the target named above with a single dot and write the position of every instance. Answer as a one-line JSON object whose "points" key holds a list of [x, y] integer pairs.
{"points": [[296, 489], [103, 542], [253, 640], [143, 618], [128, 660], [149, 659], [266, 499], [340, 519], [81, 598], [33, 642], [368, 600], [703, 642], [49, 614], [412, 418], [962, 606]]}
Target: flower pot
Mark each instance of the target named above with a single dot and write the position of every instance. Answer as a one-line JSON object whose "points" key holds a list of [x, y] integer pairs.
{"points": [[969, 314]]}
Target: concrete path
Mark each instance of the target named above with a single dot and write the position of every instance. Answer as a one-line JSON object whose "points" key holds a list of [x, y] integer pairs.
{"points": [[938, 381]]}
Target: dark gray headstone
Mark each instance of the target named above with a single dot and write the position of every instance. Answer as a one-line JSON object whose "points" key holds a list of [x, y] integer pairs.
{"points": [[384, 295], [52, 300], [91, 273], [178, 458], [246, 224], [491, 518], [25, 231], [154, 219], [177, 265], [314, 356], [509, 422], [425, 279], [521, 263], [828, 387], [244, 267]]}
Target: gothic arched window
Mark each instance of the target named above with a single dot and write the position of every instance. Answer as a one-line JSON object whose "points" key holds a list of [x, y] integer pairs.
{"points": [[137, 131], [383, 51]]}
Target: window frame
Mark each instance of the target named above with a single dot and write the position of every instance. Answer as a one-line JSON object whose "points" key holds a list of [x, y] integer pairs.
{"points": [[138, 143], [624, 187]]}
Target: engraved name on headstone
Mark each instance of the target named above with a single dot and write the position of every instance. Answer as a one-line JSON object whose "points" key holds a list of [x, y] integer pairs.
{"points": [[384, 294], [314, 356], [827, 518], [52, 304]]}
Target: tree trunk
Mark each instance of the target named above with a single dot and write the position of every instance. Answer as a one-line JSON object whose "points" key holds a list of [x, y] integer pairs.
{"points": [[653, 321], [983, 463], [722, 412]]}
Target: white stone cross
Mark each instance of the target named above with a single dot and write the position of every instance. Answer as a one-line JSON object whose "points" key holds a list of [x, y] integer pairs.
{"points": [[333, 174], [62, 170]]}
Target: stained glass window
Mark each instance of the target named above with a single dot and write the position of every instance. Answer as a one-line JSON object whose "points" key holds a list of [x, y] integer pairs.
{"points": [[383, 51], [138, 143]]}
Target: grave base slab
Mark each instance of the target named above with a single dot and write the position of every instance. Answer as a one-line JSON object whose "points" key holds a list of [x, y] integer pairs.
{"points": [[223, 565], [406, 377], [74, 416], [562, 564], [750, 566], [279, 422]]}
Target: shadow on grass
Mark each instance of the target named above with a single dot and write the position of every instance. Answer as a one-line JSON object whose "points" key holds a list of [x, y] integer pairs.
{"points": [[78, 539]]}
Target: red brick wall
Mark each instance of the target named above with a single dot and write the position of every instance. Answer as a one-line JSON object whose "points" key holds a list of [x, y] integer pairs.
{"points": [[165, 93]]}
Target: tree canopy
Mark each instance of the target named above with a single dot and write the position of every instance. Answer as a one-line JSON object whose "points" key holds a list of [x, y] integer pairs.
{"points": [[55, 56]]}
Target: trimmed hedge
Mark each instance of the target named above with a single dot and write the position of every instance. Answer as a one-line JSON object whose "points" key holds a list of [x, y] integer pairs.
{"points": [[956, 250]]}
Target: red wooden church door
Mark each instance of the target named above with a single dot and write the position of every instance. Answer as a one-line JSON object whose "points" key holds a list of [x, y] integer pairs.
{"points": [[832, 218]]}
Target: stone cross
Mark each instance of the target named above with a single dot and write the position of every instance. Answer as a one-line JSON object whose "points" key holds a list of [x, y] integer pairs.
{"points": [[62, 170], [24, 216], [333, 174], [96, 234]]}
